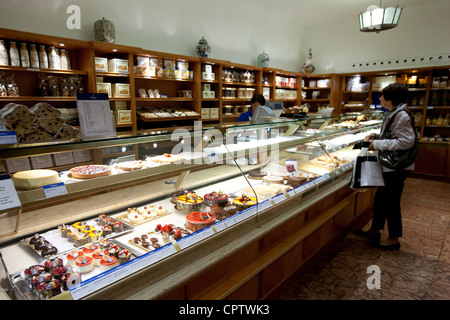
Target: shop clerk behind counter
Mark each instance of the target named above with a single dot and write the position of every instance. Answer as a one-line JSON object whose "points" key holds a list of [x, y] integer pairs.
{"points": [[257, 101]]}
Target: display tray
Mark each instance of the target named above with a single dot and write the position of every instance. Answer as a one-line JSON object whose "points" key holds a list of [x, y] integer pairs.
{"points": [[62, 244], [27, 293], [157, 238], [142, 218]]}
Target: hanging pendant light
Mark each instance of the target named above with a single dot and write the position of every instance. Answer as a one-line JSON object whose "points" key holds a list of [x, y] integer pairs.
{"points": [[377, 19]]}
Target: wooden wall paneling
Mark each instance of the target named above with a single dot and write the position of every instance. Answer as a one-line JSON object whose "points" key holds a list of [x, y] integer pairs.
{"points": [[364, 198], [229, 266], [279, 234], [175, 294], [345, 216], [248, 291], [317, 209], [432, 158]]}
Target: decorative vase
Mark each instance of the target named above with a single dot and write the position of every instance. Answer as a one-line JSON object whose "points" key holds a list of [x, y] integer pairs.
{"points": [[203, 49], [263, 60], [309, 68], [104, 31]]}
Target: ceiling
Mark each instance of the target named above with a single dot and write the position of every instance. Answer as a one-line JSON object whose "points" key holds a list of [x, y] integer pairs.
{"points": [[308, 12]]}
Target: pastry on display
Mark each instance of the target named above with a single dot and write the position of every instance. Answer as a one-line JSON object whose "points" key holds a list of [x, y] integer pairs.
{"points": [[167, 158], [95, 235], [98, 255], [296, 181], [107, 263], [79, 225], [244, 202], [113, 250], [117, 226], [85, 264], [72, 256], [178, 193], [131, 165], [51, 264], [13, 112], [40, 278], [89, 249], [273, 179], [81, 240], [90, 171], [134, 216], [31, 271], [49, 289], [62, 270], [33, 179], [215, 198], [101, 219], [189, 202], [106, 230], [224, 211], [87, 229], [35, 239], [104, 244], [199, 220], [257, 174], [283, 175], [67, 132], [49, 251], [124, 256], [70, 279]]}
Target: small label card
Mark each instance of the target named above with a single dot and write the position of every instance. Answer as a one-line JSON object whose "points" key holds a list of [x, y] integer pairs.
{"points": [[8, 137], [55, 189], [8, 194]]}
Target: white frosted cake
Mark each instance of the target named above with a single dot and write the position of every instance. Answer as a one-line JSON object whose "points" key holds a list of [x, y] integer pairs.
{"points": [[32, 179]]}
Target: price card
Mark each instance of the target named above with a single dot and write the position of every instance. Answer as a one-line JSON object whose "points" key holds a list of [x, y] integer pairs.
{"points": [[264, 205], [55, 189], [8, 137], [229, 221], [279, 198], [218, 226], [247, 213], [8, 194]]}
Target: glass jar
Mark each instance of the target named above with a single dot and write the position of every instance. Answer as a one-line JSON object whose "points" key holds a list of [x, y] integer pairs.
{"points": [[24, 56], [443, 82], [3, 54], [58, 59], [52, 58], [14, 54], [43, 58], [34, 57], [435, 82], [65, 62]]}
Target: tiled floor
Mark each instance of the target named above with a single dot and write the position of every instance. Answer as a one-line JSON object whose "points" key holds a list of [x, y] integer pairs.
{"points": [[420, 270]]}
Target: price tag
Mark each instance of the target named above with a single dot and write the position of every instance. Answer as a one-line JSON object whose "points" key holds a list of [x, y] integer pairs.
{"points": [[264, 205], [56, 189], [229, 221], [195, 237], [218, 226], [8, 194], [279, 198], [8, 137]]}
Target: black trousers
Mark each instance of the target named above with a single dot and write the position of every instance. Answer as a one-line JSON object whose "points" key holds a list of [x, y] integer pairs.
{"points": [[386, 204]]}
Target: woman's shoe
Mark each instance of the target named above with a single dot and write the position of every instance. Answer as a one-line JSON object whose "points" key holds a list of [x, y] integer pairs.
{"points": [[372, 235], [389, 244]]}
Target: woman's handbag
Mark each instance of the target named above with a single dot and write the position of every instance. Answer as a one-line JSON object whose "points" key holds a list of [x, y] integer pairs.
{"points": [[367, 171], [398, 159]]}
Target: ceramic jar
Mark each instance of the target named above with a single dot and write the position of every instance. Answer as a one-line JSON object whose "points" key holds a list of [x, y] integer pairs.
{"points": [[34, 57], [263, 60], [3, 54], [203, 49], [104, 31], [14, 54], [43, 58]]}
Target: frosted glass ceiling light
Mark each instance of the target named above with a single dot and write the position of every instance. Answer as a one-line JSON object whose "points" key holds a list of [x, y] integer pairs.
{"points": [[377, 19]]}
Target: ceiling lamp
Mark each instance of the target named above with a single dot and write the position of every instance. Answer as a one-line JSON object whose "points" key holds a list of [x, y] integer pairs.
{"points": [[377, 19]]}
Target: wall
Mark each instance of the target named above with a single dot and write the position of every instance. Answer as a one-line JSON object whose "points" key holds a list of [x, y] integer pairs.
{"points": [[422, 31], [236, 32]]}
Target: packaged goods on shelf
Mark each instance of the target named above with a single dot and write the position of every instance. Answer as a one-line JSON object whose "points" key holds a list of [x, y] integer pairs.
{"points": [[101, 64], [205, 113], [120, 90], [214, 113], [104, 88], [122, 116], [118, 65]]}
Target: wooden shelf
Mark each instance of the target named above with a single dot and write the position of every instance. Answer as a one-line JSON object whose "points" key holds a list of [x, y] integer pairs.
{"points": [[239, 84], [112, 74], [38, 98], [162, 79], [54, 71], [171, 99]]}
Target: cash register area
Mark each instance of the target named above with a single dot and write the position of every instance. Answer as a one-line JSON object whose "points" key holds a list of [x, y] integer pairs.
{"points": [[420, 270]]}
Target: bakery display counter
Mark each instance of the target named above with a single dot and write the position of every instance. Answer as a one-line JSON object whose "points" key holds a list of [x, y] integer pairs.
{"points": [[174, 212]]}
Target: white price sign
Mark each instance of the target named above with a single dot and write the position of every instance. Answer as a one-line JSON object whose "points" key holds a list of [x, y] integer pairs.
{"points": [[56, 189], [8, 194]]}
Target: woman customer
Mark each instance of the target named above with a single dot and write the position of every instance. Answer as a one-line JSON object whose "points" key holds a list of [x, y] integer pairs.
{"points": [[386, 205], [257, 100]]}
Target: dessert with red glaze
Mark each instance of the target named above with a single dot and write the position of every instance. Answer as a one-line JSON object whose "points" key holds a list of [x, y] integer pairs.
{"points": [[215, 198], [98, 255], [108, 262], [113, 250], [60, 271], [199, 220], [73, 255], [124, 255], [85, 264], [33, 271], [40, 278], [89, 249], [104, 244]]}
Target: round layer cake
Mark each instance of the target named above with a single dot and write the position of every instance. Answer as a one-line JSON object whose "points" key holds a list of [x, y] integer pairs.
{"points": [[215, 198], [73, 255], [222, 212], [90, 171], [244, 202], [199, 220], [108, 262], [189, 202], [131, 165], [273, 179], [33, 179], [257, 174], [178, 193]]}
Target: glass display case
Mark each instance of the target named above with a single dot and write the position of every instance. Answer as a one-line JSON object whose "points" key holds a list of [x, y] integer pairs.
{"points": [[119, 205]]}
